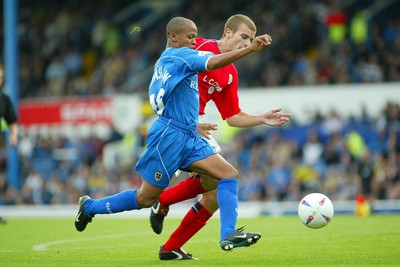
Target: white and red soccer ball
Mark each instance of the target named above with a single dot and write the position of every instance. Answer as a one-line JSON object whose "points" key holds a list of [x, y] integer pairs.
{"points": [[315, 210]]}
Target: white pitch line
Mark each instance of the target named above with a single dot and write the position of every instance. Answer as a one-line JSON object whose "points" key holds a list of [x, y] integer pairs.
{"points": [[45, 246]]}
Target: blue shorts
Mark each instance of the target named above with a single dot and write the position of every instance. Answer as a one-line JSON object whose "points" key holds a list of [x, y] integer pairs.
{"points": [[170, 146]]}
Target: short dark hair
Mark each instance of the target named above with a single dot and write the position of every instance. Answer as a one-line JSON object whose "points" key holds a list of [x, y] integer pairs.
{"points": [[234, 22]]}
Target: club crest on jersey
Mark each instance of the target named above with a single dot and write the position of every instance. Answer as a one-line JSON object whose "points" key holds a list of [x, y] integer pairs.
{"points": [[158, 176]]}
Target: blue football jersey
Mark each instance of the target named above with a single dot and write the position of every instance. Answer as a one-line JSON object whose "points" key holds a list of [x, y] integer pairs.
{"points": [[173, 90]]}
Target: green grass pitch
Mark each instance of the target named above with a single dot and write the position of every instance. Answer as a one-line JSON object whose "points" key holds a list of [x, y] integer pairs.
{"points": [[111, 241]]}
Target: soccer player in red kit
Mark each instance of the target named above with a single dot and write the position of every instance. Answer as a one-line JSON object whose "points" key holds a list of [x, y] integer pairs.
{"points": [[221, 86]]}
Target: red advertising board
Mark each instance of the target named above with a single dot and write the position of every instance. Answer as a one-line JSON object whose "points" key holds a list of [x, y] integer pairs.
{"points": [[62, 111]]}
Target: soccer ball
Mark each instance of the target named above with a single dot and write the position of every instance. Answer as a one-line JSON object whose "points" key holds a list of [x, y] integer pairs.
{"points": [[315, 210]]}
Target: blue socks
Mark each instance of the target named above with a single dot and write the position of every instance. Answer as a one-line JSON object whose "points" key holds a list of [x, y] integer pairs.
{"points": [[227, 197], [125, 200]]}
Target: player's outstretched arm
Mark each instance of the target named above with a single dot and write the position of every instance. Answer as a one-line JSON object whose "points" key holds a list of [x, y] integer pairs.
{"points": [[221, 60], [273, 117]]}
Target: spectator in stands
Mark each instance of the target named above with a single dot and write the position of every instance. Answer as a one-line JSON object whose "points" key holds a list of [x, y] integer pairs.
{"points": [[312, 149], [336, 22], [8, 114], [333, 64], [366, 173], [298, 34], [358, 29], [278, 180]]}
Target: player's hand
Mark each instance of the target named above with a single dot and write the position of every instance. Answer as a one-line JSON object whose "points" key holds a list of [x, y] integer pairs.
{"points": [[275, 117], [205, 129], [261, 42], [13, 139]]}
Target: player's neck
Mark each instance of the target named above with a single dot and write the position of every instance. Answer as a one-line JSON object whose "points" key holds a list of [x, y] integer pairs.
{"points": [[222, 46]]}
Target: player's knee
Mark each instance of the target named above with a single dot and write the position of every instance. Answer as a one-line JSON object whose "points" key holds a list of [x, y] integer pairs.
{"points": [[229, 172], [234, 173], [145, 201]]}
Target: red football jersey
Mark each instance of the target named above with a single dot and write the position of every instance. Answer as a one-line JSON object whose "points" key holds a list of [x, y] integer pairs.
{"points": [[220, 85]]}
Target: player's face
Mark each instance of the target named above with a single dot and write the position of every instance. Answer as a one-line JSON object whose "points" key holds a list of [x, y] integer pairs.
{"points": [[187, 38], [241, 38]]}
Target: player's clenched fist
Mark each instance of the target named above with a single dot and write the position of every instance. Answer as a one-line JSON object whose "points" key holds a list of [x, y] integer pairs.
{"points": [[261, 41]]}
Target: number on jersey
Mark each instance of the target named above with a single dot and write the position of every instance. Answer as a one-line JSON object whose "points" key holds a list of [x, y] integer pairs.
{"points": [[157, 102]]}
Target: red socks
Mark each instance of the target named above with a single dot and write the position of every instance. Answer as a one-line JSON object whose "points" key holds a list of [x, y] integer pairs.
{"points": [[193, 221], [186, 189]]}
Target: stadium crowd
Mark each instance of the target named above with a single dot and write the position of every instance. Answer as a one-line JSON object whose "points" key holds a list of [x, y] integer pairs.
{"points": [[84, 48], [79, 50], [341, 157]]}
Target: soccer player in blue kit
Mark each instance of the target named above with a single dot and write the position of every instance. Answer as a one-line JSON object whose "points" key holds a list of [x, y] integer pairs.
{"points": [[173, 142]]}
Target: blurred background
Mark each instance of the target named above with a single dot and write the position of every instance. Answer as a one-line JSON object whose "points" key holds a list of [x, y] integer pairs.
{"points": [[84, 66]]}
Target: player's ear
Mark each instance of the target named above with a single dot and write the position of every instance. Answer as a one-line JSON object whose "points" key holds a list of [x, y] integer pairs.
{"points": [[173, 36], [228, 33]]}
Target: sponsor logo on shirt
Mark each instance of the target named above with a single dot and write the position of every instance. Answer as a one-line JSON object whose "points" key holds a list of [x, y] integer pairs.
{"points": [[214, 85]]}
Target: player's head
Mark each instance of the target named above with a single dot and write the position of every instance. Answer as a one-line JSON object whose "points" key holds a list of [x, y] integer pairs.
{"points": [[181, 32], [239, 31]]}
